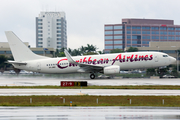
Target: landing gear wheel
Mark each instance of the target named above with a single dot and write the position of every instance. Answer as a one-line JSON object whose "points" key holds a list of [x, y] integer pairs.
{"points": [[92, 76]]}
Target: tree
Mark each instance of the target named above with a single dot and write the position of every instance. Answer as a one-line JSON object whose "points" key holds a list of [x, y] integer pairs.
{"points": [[61, 54], [132, 49], [116, 51], [3, 59], [90, 48], [151, 71], [57, 53]]}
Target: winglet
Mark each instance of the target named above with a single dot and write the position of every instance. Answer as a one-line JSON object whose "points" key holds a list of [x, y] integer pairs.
{"points": [[69, 57]]}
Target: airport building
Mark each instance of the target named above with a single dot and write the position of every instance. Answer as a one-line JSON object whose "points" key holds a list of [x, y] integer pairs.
{"points": [[139, 33], [5, 50], [51, 31]]}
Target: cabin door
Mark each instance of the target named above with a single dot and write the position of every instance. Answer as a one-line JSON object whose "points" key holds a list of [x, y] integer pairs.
{"points": [[38, 66], [156, 58]]}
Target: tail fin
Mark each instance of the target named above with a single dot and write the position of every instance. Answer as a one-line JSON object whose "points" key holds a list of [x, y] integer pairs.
{"points": [[19, 50]]}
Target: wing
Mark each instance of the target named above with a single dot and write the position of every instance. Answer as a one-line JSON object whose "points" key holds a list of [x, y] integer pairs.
{"points": [[83, 67]]}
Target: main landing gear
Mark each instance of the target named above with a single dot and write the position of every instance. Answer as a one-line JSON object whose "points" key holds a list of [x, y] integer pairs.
{"points": [[92, 76]]}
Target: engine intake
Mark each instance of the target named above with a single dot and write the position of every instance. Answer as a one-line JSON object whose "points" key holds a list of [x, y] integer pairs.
{"points": [[115, 69]]}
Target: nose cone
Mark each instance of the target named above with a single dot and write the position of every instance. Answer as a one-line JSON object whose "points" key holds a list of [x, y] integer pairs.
{"points": [[172, 60]]}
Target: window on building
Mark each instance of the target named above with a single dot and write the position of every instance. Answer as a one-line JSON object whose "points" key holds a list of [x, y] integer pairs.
{"points": [[58, 38], [117, 42], [40, 35], [177, 33], [128, 32], [134, 42], [170, 28], [108, 32], [40, 38], [118, 47], [163, 33], [8, 52], [136, 32], [145, 32], [145, 42], [145, 37], [171, 33], [58, 31], [117, 32], [108, 42], [58, 42], [128, 27], [128, 42], [117, 27], [136, 37], [39, 23], [40, 43], [108, 47], [155, 28], [58, 23], [58, 20], [155, 32], [39, 27], [155, 37], [38, 52], [39, 31], [108, 27], [145, 28], [39, 19], [117, 37], [108, 37], [58, 35], [163, 28], [58, 27], [136, 27], [177, 28], [1, 52], [128, 37]]}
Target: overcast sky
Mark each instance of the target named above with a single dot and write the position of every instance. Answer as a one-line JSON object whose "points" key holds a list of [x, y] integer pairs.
{"points": [[85, 18]]}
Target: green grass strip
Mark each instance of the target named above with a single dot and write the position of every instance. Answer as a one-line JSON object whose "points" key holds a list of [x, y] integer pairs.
{"points": [[86, 100]]}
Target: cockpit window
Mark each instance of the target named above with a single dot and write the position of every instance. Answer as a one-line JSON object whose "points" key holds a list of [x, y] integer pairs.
{"points": [[165, 55]]}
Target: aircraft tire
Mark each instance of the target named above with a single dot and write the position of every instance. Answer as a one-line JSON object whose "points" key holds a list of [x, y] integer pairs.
{"points": [[92, 76]]}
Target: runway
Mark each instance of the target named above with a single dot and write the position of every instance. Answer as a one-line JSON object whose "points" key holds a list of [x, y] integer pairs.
{"points": [[102, 92], [36, 81], [89, 113]]}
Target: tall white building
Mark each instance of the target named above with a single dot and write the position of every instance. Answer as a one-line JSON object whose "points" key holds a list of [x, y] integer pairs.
{"points": [[51, 30]]}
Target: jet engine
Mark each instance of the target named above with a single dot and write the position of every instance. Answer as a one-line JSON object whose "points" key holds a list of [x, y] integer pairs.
{"points": [[115, 69]]}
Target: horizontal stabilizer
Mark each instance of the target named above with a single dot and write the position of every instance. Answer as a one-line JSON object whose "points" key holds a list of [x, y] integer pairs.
{"points": [[15, 62]]}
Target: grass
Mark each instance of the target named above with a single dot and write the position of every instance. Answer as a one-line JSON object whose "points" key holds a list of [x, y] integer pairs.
{"points": [[162, 87], [169, 101]]}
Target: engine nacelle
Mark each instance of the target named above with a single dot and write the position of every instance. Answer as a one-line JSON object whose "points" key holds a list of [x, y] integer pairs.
{"points": [[115, 69]]}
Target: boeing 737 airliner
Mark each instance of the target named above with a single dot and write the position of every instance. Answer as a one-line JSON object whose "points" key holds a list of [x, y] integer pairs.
{"points": [[108, 64]]}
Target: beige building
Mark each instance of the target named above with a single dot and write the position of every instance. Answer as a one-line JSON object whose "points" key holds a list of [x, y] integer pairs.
{"points": [[5, 50]]}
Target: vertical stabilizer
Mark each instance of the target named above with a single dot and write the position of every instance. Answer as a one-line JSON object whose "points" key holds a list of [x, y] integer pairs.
{"points": [[19, 50]]}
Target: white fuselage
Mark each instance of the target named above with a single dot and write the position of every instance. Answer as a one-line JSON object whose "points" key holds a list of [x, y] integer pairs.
{"points": [[131, 60]]}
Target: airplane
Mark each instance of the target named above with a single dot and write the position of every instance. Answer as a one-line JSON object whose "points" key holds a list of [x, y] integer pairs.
{"points": [[108, 64]]}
